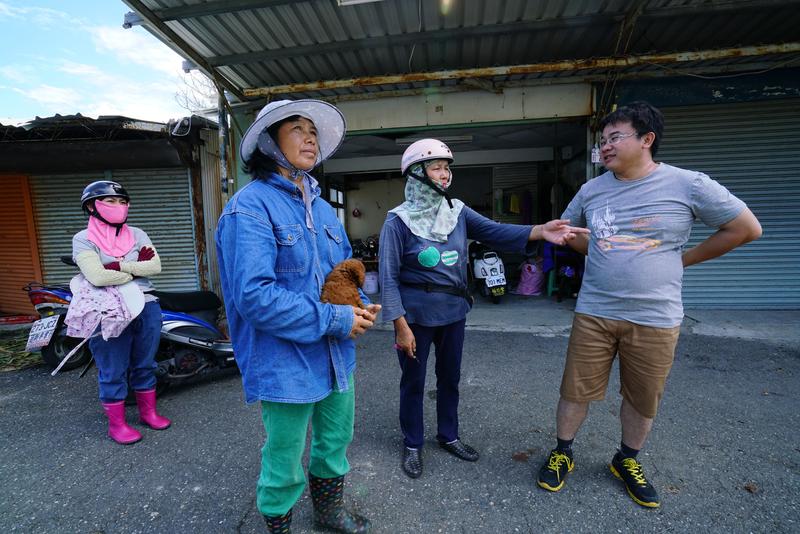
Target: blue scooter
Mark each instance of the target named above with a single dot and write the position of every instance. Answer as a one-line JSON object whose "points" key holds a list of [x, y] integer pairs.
{"points": [[191, 344]]}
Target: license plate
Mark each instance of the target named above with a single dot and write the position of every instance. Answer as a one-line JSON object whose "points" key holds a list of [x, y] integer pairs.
{"points": [[41, 332], [498, 291], [497, 280]]}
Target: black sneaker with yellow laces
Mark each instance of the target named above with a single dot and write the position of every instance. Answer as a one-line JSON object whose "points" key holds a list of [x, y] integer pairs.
{"points": [[555, 470], [630, 472]]}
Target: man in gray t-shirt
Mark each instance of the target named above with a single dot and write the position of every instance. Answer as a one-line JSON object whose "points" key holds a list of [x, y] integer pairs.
{"points": [[640, 214]]}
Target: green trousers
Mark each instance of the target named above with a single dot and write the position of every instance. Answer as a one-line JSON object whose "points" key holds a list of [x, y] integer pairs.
{"points": [[282, 479]]}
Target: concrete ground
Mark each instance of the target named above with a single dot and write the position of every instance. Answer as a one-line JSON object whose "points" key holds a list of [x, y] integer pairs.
{"points": [[544, 316], [723, 454]]}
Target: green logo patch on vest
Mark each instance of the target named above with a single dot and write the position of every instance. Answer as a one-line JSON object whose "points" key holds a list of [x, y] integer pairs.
{"points": [[450, 257], [428, 257]]}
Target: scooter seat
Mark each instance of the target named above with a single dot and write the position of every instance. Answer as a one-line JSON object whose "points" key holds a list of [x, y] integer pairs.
{"points": [[187, 301]]}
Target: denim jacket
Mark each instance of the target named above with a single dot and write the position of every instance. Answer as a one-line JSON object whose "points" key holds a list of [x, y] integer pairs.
{"points": [[289, 346]]}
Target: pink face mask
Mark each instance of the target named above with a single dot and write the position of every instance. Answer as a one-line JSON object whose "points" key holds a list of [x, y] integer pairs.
{"points": [[113, 213]]}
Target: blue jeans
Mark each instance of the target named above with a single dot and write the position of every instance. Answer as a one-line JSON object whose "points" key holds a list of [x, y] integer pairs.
{"points": [[130, 357], [449, 343]]}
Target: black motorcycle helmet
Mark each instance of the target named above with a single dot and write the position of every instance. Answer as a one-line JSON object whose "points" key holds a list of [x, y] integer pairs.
{"points": [[100, 189]]}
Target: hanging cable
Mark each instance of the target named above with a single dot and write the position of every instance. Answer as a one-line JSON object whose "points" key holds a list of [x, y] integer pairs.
{"points": [[724, 76], [621, 48], [419, 30]]}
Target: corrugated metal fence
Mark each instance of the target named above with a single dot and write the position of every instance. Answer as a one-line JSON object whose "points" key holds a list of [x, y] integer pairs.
{"points": [[212, 200]]}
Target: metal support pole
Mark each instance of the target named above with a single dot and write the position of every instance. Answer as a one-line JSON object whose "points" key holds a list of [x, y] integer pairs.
{"points": [[222, 115]]}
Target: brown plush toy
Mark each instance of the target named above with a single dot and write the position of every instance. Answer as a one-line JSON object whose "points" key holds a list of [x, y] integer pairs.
{"points": [[342, 283]]}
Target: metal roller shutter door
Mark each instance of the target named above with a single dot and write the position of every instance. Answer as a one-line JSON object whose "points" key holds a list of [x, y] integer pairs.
{"points": [[512, 179], [160, 205], [753, 149], [18, 255]]}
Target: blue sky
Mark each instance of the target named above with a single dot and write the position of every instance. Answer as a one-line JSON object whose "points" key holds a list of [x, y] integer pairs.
{"points": [[73, 56]]}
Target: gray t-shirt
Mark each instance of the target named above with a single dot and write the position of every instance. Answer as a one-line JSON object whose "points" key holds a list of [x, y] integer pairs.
{"points": [[634, 270], [80, 242]]}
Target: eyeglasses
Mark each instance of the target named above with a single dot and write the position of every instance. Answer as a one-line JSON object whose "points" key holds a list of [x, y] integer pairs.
{"points": [[615, 139]]}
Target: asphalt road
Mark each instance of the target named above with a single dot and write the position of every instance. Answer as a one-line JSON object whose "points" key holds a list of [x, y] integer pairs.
{"points": [[724, 452]]}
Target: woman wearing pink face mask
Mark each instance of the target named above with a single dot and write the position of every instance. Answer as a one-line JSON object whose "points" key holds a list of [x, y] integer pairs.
{"points": [[109, 253]]}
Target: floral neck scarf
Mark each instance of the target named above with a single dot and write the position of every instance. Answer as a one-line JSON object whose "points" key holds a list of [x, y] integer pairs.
{"points": [[426, 212]]}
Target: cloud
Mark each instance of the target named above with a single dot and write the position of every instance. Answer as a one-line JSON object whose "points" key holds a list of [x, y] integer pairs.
{"points": [[132, 45], [12, 121], [154, 100], [128, 72], [10, 11], [53, 98], [87, 73], [17, 73], [159, 108], [136, 46], [41, 16], [114, 94], [142, 101]]}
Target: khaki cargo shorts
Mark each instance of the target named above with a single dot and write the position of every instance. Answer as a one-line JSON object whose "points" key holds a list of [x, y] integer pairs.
{"points": [[645, 359]]}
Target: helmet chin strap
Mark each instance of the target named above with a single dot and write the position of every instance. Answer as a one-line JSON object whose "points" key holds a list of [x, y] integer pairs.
{"points": [[303, 177], [118, 226], [294, 172], [280, 158], [297, 174], [430, 183]]}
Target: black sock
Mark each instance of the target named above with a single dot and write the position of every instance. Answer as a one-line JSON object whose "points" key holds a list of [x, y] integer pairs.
{"points": [[627, 452], [564, 445]]}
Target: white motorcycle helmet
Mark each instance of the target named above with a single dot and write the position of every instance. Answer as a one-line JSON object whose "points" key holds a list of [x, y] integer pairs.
{"points": [[420, 152], [424, 150]]}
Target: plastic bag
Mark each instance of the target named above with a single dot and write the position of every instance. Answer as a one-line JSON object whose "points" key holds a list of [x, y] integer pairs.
{"points": [[531, 279]]}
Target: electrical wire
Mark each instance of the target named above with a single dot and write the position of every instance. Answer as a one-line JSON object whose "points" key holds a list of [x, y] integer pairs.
{"points": [[625, 32], [414, 46], [723, 76]]}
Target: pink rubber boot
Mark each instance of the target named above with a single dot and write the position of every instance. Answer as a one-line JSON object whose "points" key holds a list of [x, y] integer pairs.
{"points": [[118, 429], [146, 400]]}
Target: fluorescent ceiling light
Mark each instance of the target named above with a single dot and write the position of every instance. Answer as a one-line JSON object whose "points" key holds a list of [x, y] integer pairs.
{"points": [[450, 140], [354, 2]]}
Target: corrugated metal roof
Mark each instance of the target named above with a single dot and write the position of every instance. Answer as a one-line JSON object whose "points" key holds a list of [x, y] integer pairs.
{"points": [[104, 127], [277, 42]]}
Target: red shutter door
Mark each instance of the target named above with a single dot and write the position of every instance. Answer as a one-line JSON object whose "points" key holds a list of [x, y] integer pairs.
{"points": [[19, 252]]}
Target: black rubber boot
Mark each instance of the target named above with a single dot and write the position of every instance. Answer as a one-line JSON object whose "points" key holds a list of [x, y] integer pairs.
{"points": [[279, 524], [327, 494]]}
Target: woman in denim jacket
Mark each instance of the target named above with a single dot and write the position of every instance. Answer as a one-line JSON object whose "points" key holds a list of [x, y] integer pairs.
{"points": [[277, 240]]}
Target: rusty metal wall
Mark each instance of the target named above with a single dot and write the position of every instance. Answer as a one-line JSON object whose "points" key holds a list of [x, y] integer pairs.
{"points": [[212, 200]]}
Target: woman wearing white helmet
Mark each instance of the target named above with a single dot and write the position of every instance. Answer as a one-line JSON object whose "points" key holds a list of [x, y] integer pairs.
{"points": [[423, 275], [277, 240]]}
